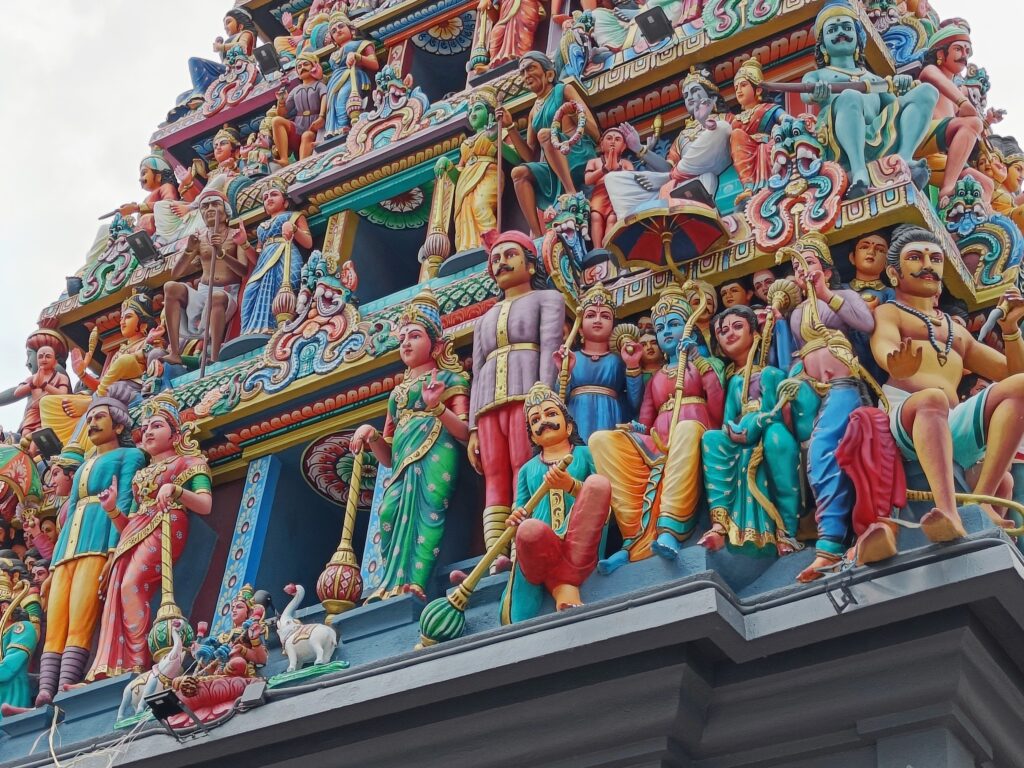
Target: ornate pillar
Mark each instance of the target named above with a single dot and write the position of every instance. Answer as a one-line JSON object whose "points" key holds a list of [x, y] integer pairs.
{"points": [[247, 541], [339, 239]]}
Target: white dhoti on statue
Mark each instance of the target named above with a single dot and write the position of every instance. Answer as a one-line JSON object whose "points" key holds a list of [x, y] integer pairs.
{"points": [[192, 319], [705, 158]]}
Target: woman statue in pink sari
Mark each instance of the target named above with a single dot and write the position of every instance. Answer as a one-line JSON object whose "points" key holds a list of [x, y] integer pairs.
{"points": [[177, 480]]}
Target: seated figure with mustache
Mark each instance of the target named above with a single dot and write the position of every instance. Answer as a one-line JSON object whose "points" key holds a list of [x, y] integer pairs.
{"points": [[926, 354], [859, 127], [557, 546]]}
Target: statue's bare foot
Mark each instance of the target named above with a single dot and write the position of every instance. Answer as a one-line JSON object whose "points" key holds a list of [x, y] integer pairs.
{"points": [[996, 518], [45, 698], [816, 569], [714, 539], [941, 526], [566, 596], [171, 359], [7, 710], [613, 563], [501, 565], [877, 543], [786, 546]]}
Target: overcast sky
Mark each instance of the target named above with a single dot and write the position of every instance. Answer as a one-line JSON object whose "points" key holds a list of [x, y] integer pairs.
{"points": [[85, 85]]}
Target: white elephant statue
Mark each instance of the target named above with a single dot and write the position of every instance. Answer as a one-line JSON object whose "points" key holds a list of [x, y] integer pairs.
{"points": [[133, 701], [303, 643]]}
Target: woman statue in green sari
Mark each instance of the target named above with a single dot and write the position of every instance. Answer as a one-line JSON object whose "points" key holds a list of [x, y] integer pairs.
{"points": [[548, 171], [426, 419]]}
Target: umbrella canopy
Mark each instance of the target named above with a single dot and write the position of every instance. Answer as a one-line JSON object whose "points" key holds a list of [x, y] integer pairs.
{"points": [[667, 236]]}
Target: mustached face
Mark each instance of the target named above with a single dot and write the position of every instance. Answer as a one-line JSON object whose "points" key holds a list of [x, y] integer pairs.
{"points": [[920, 270], [547, 424]]}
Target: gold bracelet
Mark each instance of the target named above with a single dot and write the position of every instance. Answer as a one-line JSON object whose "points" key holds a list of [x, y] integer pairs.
{"points": [[178, 490], [577, 487], [634, 371], [439, 410], [115, 514], [1011, 336]]}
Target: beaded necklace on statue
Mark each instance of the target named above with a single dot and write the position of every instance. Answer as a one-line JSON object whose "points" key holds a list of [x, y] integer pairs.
{"points": [[930, 324]]}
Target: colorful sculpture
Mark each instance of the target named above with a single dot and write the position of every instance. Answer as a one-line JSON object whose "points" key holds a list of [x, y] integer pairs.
{"points": [[548, 171], [602, 214], [605, 389], [956, 123], [204, 311], [750, 140], [352, 66], [752, 464], [504, 32], [82, 558], [736, 293], [821, 325], [861, 119], [157, 178], [303, 643], [301, 112], [557, 545], [925, 354], [269, 296], [176, 481], [122, 372], [49, 379], [513, 348], [427, 415], [475, 177], [654, 463], [18, 639], [868, 259], [700, 151]]}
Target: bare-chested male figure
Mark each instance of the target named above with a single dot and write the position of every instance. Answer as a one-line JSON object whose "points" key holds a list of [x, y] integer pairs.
{"points": [[219, 250], [925, 354]]}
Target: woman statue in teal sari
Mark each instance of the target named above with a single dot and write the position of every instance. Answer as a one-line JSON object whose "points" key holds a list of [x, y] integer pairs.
{"points": [[547, 172], [426, 421]]}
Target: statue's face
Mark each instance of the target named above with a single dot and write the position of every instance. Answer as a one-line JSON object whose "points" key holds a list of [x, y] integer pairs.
{"points": [[414, 345], [340, 33], [535, 77], [129, 323], [58, 482], [223, 150], [239, 612], [274, 202], [213, 212], [508, 266], [814, 265], [231, 25], [49, 529], [304, 69], [763, 280], [46, 360], [735, 337], [645, 324], [1015, 175], [694, 95], [157, 435], [920, 272], [547, 424], [746, 94], [480, 116], [652, 352], [669, 329], [840, 36], [597, 323], [957, 56], [869, 255], [612, 143], [149, 179], [734, 294], [993, 167], [99, 426]]}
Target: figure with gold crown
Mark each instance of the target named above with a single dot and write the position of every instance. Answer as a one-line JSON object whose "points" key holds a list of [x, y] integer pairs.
{"points": [[19, 637], [427, 419], [353, 65], [750, 141], [863, 116], [557, 544], [821, 326], [176, 481], [121, 378], [605, 389], [654, 462]]}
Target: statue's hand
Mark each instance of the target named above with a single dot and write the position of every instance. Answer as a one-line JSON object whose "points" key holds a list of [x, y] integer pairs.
{"points": [[1013, 304], [516, 518], [904, 361], [821, 94], [788, 389], [631, 137], [108, 496], [433, 392], [632, 354], [473, 451], [560, 479], [165, 496], [361, 438], [901, 84], [350, 60], [563, 355], [101, 586], [288, 231]]}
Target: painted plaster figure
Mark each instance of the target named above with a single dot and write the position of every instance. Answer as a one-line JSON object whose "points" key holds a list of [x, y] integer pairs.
{"points": [[605, 389], [602, 214], [868, 259], [925, 354], [546, 172], [301, 112], [860, 126], [426, 421], [504, 32], [18, 640], [750, 141], [157, 178], [653, 463], [353, 65], [513, 348], [556, 546], [176, 481], [82, 558], [49, 379]]}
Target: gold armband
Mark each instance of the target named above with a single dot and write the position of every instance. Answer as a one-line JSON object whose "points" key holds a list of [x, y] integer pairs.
{"points": [[836, 302]]}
